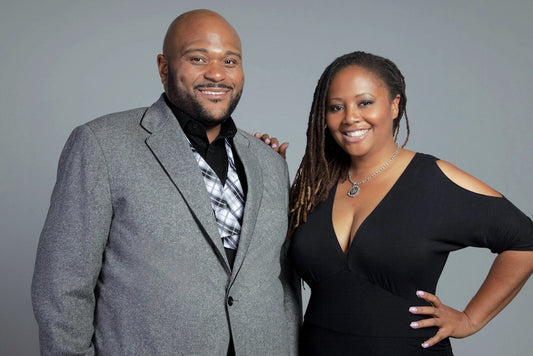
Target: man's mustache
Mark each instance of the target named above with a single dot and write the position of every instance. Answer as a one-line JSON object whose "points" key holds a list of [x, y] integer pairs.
{"points": [[213, 85]]}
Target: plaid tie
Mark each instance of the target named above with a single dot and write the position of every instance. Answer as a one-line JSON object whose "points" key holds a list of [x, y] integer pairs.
{"points": [[227, 200]]}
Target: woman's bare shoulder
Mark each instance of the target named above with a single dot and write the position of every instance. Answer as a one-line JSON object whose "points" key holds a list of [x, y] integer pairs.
{"points": [[465, 180]]}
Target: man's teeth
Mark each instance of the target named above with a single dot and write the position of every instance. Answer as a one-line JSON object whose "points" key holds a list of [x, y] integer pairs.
{"points": [[213, 92], [357, 133]]}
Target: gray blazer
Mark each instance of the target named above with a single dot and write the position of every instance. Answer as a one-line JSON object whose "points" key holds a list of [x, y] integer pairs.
{"points": [[130, 261]]}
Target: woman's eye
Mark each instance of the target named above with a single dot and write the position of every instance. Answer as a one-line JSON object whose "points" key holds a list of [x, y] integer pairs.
{"points": [[365, 102], [335, 108]]}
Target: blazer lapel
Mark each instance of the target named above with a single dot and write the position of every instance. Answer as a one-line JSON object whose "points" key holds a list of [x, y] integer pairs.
{"points": [[170, 146], [254, 195]]}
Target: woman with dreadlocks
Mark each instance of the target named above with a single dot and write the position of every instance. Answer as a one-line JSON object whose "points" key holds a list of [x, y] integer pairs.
{"points": [[372, 224]]}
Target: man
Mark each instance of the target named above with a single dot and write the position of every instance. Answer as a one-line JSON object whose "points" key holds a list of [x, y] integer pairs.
{"points": [[166, 230]]}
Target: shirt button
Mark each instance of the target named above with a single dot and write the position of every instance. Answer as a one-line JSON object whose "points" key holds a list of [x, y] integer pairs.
{"points": [[230, 301]]}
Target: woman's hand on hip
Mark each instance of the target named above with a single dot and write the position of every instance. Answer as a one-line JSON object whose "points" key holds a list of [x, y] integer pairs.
{"points": [[451, 322]]}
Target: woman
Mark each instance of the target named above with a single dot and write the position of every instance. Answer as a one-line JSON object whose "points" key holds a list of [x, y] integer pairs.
{"points": [[372, 225]]}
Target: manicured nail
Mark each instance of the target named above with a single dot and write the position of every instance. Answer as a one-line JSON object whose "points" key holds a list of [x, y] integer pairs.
{"points": [[413, 309], [274, 145], [425, 345], [414, 325], [419, 293]]}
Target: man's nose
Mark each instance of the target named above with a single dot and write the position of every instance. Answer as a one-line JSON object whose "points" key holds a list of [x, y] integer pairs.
{"points": [[215, 72]]}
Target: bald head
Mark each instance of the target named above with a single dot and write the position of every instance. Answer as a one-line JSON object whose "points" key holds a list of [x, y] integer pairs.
{"points": [[201, 67], [190, 22]]}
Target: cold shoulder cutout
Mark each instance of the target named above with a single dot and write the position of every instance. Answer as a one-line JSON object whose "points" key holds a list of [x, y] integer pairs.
{"points": [[465, 180]]}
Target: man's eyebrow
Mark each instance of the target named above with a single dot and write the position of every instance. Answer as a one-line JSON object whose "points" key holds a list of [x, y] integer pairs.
{"points": [[231, 53], [203, 50]]}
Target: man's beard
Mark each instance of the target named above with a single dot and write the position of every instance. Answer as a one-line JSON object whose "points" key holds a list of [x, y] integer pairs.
{"points": [[190, 105]]}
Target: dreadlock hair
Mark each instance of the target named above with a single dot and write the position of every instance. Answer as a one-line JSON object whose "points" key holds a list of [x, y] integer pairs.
{"points": [[324, 161]]}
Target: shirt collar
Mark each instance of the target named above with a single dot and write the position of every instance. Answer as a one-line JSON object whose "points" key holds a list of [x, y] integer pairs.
{"points": [[193, 128]]}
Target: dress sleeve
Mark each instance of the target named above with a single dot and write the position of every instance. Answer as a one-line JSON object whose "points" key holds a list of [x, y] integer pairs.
{"points": [[508, 228], [472, 219], [71, 246]]}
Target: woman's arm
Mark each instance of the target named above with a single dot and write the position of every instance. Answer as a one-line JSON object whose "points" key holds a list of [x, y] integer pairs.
{"points": [[507, 276]]}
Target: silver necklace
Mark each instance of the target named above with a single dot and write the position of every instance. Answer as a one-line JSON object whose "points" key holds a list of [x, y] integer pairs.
{"points": [[354, 190]]}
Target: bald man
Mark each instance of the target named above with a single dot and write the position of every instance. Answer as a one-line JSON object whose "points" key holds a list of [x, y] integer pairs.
{"points": [[166, 228]]}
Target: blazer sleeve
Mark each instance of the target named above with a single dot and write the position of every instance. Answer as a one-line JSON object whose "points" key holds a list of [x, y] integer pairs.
{"points": [[71, 247], [292, 289]]}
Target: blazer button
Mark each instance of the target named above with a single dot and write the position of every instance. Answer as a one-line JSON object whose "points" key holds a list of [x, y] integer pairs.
{"points": [[230, 301]]}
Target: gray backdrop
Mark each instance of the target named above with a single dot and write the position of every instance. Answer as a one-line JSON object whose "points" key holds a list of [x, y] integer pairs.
{"points": [[469, 82]]}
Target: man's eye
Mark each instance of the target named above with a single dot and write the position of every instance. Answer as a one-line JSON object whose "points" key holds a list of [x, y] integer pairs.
{"points": [[230, 61], [197, 59]]}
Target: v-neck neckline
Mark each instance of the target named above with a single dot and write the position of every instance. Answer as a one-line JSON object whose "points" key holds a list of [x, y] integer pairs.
{"points": [[363, 223]]}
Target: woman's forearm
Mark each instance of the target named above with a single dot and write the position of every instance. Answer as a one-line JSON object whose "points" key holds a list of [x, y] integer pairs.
{"points": [[508, 274]]}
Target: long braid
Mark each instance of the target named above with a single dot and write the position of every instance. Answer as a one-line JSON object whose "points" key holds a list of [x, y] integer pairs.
{"points": [[314, 176], [396, 85], [324, 162], [313, 168]]}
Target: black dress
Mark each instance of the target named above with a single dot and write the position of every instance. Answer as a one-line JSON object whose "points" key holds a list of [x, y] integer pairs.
{"points": [[360, 299]]}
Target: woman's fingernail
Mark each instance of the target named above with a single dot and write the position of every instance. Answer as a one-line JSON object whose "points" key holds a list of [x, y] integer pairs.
{"points": [[425, 345], [414, 325], [274, 145], [413, 309], [419, 293]]}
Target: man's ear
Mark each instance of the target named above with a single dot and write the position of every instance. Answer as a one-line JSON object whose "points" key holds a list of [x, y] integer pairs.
{"points": [[162, 66]]}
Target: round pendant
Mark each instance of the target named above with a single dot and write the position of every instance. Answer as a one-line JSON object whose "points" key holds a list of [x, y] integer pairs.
{"points": [[354, 190]]}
